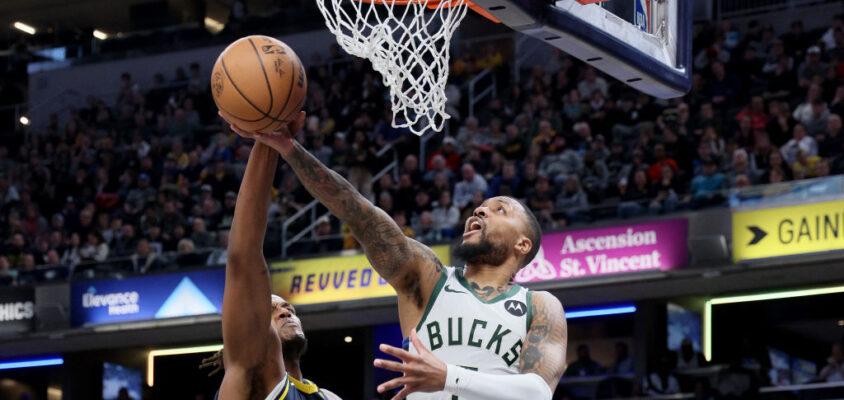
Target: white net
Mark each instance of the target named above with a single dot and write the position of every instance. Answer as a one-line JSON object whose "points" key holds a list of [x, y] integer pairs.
{"points": [[408, 44]]}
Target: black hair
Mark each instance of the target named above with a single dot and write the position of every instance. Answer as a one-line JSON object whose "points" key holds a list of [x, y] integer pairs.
{"points": [[534, 233]]}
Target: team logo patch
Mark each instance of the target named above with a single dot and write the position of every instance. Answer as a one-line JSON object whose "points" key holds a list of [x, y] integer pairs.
{"points": [[515, 307]]}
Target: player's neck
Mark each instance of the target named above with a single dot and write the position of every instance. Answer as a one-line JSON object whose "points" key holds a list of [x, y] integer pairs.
{"points": [[484, 277], [293, 368]]}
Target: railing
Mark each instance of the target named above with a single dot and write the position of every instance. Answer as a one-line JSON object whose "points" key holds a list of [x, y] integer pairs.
{"points": [[475, 94], [736, 8], [311, 208]]}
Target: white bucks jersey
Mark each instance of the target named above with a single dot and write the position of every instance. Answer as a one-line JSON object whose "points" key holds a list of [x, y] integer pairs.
{"points": [[462, 329]]}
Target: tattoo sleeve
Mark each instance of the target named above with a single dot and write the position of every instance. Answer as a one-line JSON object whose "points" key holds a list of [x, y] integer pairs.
{"points": [[544, 351], [390, 252]]}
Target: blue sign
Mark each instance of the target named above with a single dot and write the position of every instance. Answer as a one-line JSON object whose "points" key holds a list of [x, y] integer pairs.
{"points": [[150, 297], [641, 14]]}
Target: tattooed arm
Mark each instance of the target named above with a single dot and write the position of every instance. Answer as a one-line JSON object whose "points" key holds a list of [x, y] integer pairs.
{"points": [[410, 267], [544, 350]]}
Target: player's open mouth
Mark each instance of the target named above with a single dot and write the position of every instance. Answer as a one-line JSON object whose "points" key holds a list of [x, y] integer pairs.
{"points": [[474, 226]]}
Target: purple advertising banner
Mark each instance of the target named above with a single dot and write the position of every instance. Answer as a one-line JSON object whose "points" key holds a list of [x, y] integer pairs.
{"points": [[659, 245]]}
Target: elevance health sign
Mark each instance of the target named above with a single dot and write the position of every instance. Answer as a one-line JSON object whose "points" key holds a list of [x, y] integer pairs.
{"points": [[658, 245], [151, 297]]}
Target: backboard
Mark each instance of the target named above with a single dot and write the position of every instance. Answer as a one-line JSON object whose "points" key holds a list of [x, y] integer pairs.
{"points": [[644, 43]]}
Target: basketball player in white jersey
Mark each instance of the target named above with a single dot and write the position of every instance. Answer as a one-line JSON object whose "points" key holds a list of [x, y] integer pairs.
{"points": [[489, 338], [261, 333]]}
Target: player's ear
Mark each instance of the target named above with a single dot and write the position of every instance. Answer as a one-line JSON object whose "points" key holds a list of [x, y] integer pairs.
{"points": [[523, 245]]}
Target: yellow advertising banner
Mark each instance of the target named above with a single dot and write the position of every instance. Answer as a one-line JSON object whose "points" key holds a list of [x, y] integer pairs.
{"points": [[786, 231], [333, 279]]}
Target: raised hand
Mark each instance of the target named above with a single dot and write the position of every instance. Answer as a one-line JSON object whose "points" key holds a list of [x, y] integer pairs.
{"points": [[282, 141], [421, 373]]}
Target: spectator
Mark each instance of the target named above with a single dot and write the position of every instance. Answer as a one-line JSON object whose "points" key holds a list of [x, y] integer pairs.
{"points": [[572, 201], [800, 141], [145, 259], [817, 121], [805, 166], [71, 256], [669, 193], [465, 189], [834, 369], [515, 146], [661, 381], [438, 165], [741, 166], [126, 243], [401, 220], [95, 249], [706, 188], [688, 357], [507, 183], [449, 152], [584, 365], [220, 254], [623, 362], [324, 240], [591, 83], [594, 175], [446, 216], [560, 162], [187, 255], [633, 197], [201, 237], [425, 229]]}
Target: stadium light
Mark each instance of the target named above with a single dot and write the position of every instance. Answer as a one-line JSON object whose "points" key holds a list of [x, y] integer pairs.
{"points": [[24, 120], [595, 312], [173, 352], [24, 27], [100, 34], [347, 339], [213, 25], [38, 362], [707, 308]]}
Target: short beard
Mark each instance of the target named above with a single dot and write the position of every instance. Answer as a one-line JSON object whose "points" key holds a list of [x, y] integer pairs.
{"points": [[293, 349], [482, 253]]}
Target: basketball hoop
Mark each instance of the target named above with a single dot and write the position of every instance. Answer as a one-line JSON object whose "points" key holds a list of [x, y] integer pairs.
{"points": [[407, 41]]}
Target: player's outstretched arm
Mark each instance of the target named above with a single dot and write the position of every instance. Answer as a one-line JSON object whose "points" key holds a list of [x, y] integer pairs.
{"points": [[409, 266], [247, 311]]}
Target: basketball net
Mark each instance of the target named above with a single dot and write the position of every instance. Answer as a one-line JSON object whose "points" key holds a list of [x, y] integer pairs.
{"points": [[407, 42]]}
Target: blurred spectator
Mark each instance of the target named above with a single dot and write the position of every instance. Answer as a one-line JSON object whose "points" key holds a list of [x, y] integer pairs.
{"points": [[220, 254], [688, 358], [145, 259], [323, 240], [425, 230], [201, 237], [660, 381], [706, 188], [800, 141], [584, 365], [834, 369], [445, 215], [623, 362], [187, 255], [633, 196], [95, 249], [507, 183], [572, 201], [465, 189]]}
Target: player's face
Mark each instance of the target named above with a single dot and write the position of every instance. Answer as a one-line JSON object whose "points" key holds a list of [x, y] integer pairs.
{"points": [[285, 321], [492, 232]]}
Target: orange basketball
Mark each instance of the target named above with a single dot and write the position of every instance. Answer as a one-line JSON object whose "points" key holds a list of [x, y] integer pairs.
{"points": [[259, 84]]}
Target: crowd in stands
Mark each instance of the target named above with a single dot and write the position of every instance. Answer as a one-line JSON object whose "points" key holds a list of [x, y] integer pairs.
{"points": [[148, 179]]}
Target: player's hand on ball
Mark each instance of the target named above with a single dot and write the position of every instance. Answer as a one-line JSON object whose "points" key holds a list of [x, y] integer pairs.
{"points": [[421, 373], [282, 141]]}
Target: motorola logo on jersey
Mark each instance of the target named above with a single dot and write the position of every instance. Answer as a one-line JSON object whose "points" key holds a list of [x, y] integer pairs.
{"points": [[515, 307]]}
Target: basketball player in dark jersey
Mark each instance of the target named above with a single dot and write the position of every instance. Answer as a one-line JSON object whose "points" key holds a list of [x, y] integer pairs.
{"points": [[262, 335]]}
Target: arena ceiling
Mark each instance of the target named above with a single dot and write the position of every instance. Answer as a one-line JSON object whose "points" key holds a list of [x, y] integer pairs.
{"points": [[81, 17]]}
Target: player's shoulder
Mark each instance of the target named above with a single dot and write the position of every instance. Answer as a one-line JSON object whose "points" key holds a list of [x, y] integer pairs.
{"points": [[545, 302]]}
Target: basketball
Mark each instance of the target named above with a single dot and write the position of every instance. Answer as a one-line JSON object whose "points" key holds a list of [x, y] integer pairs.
{"points": [[258, 83]]}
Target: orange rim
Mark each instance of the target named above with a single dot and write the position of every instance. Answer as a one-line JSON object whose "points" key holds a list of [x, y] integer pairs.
{"points": [[434, 4]]}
